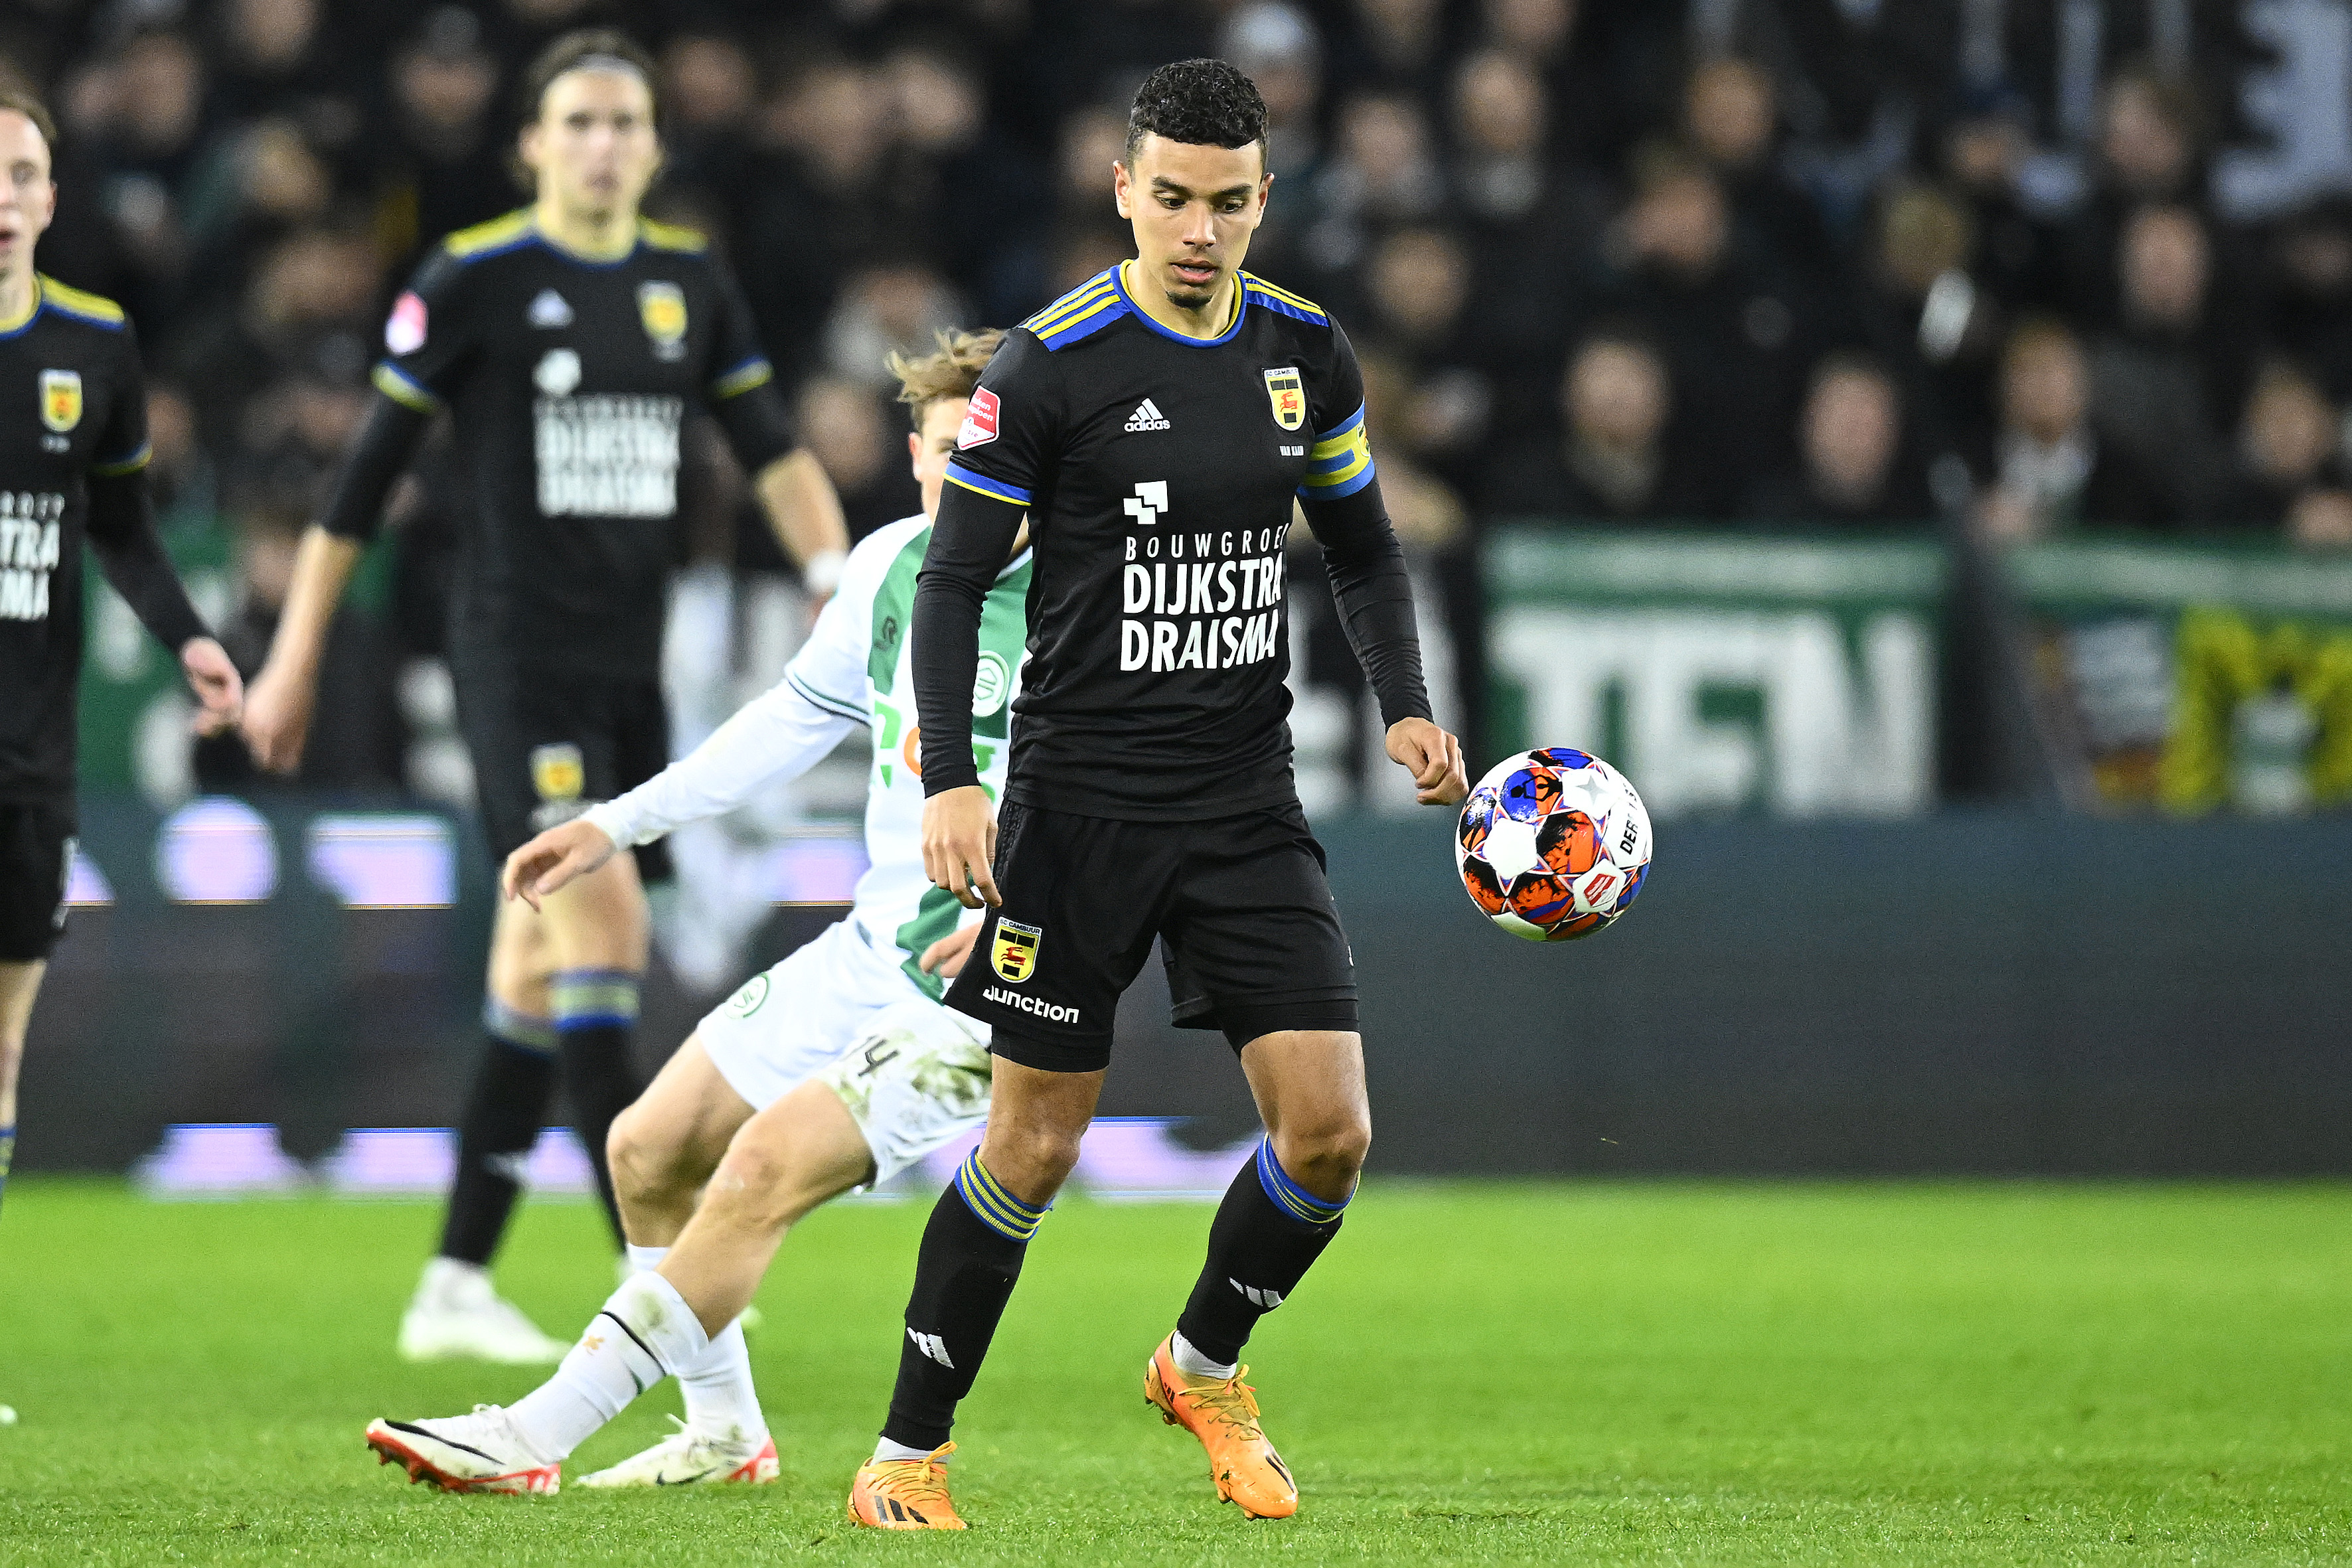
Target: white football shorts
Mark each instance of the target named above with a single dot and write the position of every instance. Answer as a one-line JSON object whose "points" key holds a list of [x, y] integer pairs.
{"points": [[912, 1074]]}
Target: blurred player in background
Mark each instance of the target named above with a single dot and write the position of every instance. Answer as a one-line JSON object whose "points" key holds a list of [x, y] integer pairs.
{"points": [[835, 1067], [569, 340], [73, 467], [1154, 426]]}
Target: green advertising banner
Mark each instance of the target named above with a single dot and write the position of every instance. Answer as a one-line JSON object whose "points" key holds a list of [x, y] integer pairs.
{"points": [[2191, 677], [1724, 673]]}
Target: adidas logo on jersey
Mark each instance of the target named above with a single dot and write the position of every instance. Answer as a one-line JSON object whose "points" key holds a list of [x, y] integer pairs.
{"points": [[932, 1346], [550, 310], [1259, 1296], [1147, 417]]}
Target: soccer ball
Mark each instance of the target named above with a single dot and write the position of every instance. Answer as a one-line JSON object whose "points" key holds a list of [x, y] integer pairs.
{"points": [[1554, 845]]}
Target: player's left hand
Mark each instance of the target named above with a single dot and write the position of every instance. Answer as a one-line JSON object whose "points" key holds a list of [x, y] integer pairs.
{"points": [[945, 957], [217, 684], [1432, 757]]}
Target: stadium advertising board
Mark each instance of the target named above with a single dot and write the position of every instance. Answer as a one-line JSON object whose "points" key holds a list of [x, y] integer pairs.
{"points": [[1724, 673], [2191, 678]]}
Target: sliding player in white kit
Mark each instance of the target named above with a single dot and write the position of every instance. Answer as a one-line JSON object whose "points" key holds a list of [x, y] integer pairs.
{"points": [[835, 1068]]}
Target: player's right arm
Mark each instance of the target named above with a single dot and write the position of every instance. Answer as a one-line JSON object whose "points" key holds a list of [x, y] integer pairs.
{"points": [[777, 736], [430, 345], [1010, 438]]}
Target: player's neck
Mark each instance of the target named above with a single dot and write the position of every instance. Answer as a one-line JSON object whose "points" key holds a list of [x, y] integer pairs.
{"points": [[20, 292], [1209, 321], [591, 236]]}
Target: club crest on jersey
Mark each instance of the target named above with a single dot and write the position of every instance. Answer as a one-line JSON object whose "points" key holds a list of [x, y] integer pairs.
{"points": [[991, 683], [61, 399], [662, 308], [979, 420], [557, 772], [404, 330], [1288, 394], [1013, 955]]}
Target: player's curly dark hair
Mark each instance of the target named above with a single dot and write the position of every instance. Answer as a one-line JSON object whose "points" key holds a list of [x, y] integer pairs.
{"points": [[1207, 103]]}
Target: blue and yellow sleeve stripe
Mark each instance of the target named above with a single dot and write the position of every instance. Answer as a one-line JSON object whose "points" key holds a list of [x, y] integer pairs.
{"points": [[997, 1209], [1083, 310], [1282, 302], [94, 309], [753, 371], [115, 467], [1341, 462], [405, 389], [995, 490]]}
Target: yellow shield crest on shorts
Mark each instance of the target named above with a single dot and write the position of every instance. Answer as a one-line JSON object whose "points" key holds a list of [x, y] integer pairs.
{"points": [[61, 399], [662, 308], [1288, 394], [1013, 955], [557, 772]]}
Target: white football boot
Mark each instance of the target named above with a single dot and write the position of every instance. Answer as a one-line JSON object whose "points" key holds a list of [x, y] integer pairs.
{"points": [[686, 1456], [455, 1314], [477, 1453]]}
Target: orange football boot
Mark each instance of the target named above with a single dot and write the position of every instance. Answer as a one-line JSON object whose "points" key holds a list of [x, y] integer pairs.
{"points": [[1222, 1414], [904, 1494]]}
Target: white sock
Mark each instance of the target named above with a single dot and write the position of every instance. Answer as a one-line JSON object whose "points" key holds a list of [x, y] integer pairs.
{"points": [[1193, 1363], [720, 1400], [887, 1449], [452, 1282], [644, 1333]]}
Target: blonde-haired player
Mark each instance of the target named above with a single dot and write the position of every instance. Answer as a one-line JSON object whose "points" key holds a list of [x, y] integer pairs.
{"points": [[836, 1067]]}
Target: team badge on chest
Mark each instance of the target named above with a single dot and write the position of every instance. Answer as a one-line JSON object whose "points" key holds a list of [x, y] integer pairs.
{"points": [[1013, 955], [1288, 394], [662, 308], [61, 399]]}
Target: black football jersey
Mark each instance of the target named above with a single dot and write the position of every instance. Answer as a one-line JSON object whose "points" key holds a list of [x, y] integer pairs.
{"points": [[569, 381], [1159, 472], [72, 403]]}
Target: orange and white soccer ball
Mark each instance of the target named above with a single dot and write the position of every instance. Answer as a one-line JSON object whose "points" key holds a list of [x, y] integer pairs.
{"points": [[1553, 845]]}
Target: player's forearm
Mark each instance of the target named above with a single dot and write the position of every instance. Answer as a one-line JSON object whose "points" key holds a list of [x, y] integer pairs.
{"points": [[970, 540], [773, 739], [323, 564], [1374, 593], [122, 531], [805, 514], [387, 439]]}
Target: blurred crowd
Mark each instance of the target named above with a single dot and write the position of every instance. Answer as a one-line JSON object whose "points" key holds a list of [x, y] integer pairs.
{"points": [[2022, 265]]}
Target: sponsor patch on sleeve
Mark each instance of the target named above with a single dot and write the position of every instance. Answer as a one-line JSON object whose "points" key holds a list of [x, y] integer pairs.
{"points": [[979, 419], [404, 331]]}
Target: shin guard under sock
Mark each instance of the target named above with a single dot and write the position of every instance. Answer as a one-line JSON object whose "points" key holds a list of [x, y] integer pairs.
{"points": [[1268, 1232], [964, 1274], [644, 1333], [595, 1015], [504, 1110]]}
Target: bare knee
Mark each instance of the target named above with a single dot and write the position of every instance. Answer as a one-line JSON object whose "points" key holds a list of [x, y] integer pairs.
{"points": [[647, 1166], [1325, 1153], [1031, 1158]]}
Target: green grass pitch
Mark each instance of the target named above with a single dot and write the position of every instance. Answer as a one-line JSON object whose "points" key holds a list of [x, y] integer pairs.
{"points": [[1494, 1372]]}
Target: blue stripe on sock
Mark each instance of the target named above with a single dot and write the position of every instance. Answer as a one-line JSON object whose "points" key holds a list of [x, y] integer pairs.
{"points": [[517, 1027], [996, 1208], [1288, 1195]]}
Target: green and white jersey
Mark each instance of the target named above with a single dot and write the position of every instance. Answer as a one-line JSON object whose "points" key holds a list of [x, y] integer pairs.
{"points": [[856, 667]]}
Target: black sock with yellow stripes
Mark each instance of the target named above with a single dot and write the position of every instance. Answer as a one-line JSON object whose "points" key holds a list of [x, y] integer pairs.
{"points": [[971, 1258]]}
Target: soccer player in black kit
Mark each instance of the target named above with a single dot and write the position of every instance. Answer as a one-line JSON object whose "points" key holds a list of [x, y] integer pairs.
{"points": [[73, 467], [568, 341], [1155, 426]]}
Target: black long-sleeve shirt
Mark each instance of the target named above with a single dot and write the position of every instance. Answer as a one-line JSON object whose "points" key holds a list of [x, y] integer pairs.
{"points": [[1157, 473]]}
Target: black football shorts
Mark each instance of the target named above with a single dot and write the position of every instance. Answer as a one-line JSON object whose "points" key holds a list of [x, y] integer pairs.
{"points": [[548, 744], [1249, 933], [37, 845]]}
